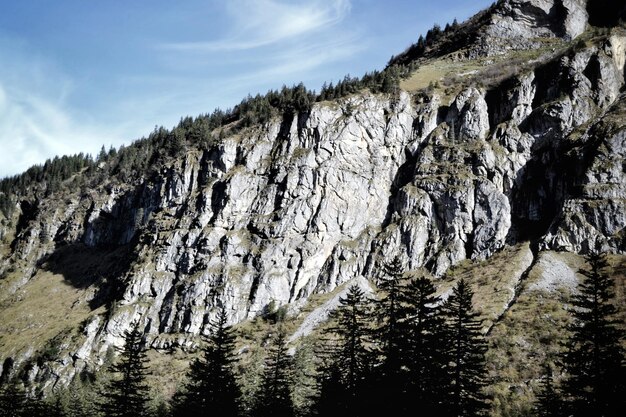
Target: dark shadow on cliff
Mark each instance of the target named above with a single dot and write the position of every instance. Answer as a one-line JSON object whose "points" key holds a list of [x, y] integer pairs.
{"points": [[606, 13], [404, 175], [552, 176], [83, 267], [108, 246], [29, 210]]}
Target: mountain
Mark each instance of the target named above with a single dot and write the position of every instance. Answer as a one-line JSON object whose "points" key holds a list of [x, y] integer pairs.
{"points": [[498, 155]]}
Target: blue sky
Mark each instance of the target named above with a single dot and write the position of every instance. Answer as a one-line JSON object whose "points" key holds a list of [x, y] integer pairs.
{"points": [[77, 74]]}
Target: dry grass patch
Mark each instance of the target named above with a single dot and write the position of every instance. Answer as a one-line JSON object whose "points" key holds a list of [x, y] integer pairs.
{"points": [[448, 75], [42, 309]]}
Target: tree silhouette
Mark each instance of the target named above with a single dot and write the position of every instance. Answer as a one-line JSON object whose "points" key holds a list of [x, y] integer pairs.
{"points": [[274, 397], [594, 358], [466, 353], [127, 396], [424, 357], [391, 337], [348, 359], [211, 385], [549, 403]]}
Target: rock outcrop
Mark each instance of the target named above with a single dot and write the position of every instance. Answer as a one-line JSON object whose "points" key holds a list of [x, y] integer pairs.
{"points": [[524, 24]]}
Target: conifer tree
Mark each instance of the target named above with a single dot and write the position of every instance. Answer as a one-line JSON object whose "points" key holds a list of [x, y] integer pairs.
{"points": [[465, 354], [424, 359], [102, 155], [274, 396], [37, 407], [127, 395], [594, 358], [549, 403], [211, 385], [80, 400], [390, 335], [348, 359], [353, 356]]}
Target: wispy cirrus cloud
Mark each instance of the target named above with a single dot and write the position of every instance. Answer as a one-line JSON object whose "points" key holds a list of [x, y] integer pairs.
{"points": [[49, 107], [36, 121], [270, 43], [257, 23], [300, 61], [35, 127]]}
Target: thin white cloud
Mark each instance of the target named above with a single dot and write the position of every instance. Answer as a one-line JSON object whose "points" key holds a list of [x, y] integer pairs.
{"points": [[35, 128], [40, 105], [301, 61], [36, 121], [257, 23]]}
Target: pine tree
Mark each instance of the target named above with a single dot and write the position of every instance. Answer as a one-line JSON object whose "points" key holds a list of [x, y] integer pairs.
{"points": [[128, 395], [349, 356], [102, 155], [352, 355], [594, 358], [81, 399], [274, 397], [549, 403], [465, 352], [211, 385], [391, 338], [424, 358]]}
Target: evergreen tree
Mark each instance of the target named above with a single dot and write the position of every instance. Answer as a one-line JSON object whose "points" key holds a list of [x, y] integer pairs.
{"points": [[424, 358], [304, 382], [594, 358], [391, 338], [349, 359], [128, 395], [549, 403], [465, 354], [55, 407], [274, 396], [102, 155], [79, 400], [211, 385]]}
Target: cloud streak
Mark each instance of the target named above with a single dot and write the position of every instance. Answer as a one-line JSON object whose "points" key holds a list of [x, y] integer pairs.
{"points": [[35, 120], [258, 23], [34, 128], [48, 108]]}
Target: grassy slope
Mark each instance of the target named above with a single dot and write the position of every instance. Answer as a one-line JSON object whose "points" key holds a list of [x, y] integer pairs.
{"points": [[45, 307]]}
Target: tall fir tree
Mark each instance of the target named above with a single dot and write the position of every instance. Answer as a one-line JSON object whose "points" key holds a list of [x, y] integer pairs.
{"points": [[594, 358], [126, 395], [549, 403], [274, 396], [425, 358], [391, 339], [348, 358], [211, 386], [465, 351]]}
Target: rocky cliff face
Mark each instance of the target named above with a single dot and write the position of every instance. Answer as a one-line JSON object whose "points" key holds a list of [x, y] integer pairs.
{"points": [[302, 204]]}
